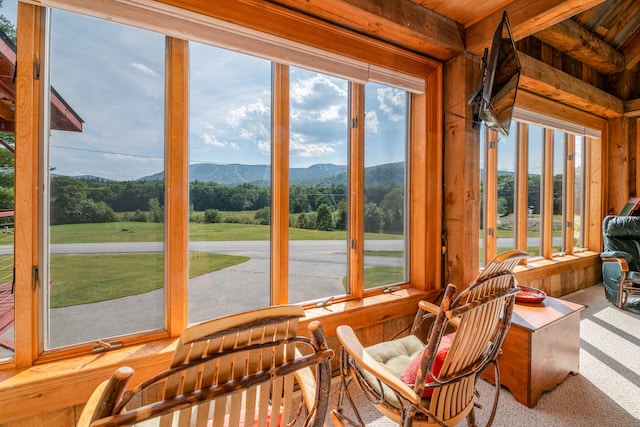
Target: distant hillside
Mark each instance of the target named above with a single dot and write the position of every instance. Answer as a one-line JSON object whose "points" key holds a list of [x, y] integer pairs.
{"points": [[234, 174], [324, 175]]}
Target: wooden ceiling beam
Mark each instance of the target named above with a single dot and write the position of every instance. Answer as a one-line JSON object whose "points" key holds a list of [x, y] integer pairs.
{"points": [[526, 17], [401, 22], [631, 51], [552, 83], [573, 39], [632, 108]]}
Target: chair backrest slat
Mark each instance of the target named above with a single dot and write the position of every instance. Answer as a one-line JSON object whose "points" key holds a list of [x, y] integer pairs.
{"points": [[234, 370]]}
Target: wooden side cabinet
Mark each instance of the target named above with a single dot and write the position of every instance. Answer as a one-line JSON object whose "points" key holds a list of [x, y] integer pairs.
{"points": [[540, 350]]}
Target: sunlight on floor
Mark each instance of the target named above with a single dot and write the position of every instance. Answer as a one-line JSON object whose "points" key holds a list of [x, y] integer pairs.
{"points": [[608, 356]]}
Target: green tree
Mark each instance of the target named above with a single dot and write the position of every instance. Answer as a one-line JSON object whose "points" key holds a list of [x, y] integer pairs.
{"points": [[70, 205], [263, 216], [212, 216], [156, 212], [341, 215], [324, 221], [7, 27], [373, 218], [393, 208], [302, 221]]}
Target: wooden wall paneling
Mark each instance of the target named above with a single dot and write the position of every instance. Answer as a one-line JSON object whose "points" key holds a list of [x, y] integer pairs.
{"points": [[428, 201], [176, 255], [461, 171], [280, 186], [595, 196], [618, 166], [634, 145]]}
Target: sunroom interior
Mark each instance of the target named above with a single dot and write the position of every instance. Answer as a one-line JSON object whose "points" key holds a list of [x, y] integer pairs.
{"points": [[319, 153]]}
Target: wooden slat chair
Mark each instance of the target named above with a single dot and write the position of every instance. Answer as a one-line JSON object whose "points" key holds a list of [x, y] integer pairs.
{"points": [[238, 370], [414, 383]]}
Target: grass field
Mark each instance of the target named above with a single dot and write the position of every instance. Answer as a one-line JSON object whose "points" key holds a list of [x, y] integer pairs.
{"points": [[153, 232], [80, 279]]}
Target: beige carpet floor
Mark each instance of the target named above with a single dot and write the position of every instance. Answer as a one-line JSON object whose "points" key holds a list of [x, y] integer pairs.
{"points": [[606, 392]]}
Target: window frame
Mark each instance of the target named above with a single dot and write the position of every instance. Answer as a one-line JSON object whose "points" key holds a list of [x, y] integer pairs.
{"points": [[551, 118], [425, 136]]}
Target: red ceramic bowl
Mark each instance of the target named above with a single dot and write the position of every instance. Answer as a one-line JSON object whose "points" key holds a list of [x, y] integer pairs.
{"points": [[530, 295]]}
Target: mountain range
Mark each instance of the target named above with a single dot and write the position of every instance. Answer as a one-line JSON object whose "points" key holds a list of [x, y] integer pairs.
{"points": [[318, 174]]}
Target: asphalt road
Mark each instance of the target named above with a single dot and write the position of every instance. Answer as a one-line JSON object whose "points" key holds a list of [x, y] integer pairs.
{"points": [[316, 271]]}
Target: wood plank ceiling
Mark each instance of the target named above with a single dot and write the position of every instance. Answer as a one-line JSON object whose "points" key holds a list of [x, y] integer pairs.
{"points": [[601, 35]]}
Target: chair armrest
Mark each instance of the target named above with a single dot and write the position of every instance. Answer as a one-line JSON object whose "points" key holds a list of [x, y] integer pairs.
{"points": [[624, 266], [616, 254], [434, 309], [351, 344]]}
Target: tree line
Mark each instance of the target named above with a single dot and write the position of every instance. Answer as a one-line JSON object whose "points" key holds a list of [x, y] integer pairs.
{"points": [[76, 200]]}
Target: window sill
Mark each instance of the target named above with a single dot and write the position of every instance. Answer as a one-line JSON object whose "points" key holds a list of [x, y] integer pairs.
{"points": [[544, 268], [61, 384]]}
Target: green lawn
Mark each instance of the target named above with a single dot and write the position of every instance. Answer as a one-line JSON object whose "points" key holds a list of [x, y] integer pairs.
{"points": [[153, 232], [80, 279]]}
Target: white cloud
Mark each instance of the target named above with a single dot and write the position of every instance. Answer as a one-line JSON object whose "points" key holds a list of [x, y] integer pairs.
{"points": [[211, 139], [392, 103], [371, 122], [248, 112], [299, 147], [144, 69]]}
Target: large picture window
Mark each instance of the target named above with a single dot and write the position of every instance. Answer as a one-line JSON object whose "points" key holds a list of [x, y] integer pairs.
{"points": [[539, 190], [230, 182], [283, 181], [103, 161]]}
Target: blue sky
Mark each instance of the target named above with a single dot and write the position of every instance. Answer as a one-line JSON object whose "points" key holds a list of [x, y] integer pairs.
{"points": [[113, 76]]}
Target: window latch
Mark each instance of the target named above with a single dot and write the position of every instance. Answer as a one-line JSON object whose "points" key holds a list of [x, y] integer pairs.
{"points": [[324, 302], [106, 346], [34, 277]]}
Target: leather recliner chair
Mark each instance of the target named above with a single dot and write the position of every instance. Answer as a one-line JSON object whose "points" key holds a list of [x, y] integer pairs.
{"points": [[621, 261]]}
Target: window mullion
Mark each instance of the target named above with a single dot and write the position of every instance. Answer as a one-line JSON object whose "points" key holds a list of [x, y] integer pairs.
{"points": [[176, 258], [569, 193], [491, 195], [355, 228], [547, 195], [280, 185], [522, 186]]}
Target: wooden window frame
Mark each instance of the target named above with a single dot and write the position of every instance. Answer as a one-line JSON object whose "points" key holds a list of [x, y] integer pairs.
{"points": [[425, 165], [592, 189]]}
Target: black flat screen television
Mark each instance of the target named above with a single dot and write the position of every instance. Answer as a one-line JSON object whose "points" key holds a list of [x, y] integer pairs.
{"points": [[501, 80]]}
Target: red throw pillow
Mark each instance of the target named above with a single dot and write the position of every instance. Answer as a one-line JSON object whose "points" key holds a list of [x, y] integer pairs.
{"points": [[411, 371]]}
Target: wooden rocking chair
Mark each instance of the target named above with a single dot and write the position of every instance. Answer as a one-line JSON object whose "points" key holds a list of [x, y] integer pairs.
{"points": [[414, 383], [233, 371]]}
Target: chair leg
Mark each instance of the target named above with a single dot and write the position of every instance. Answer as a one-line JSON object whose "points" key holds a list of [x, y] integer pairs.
{"points": [[336, 415], [471, 418]]}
